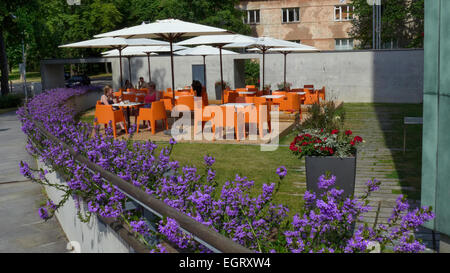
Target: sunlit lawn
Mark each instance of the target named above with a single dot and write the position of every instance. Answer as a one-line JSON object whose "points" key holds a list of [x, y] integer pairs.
{"points": [[260, 166]]}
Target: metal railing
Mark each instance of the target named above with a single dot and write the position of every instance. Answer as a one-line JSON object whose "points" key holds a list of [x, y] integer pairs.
{"points": [[211, 239]]}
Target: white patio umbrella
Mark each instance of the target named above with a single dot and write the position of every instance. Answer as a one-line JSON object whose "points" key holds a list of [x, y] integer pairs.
{"points": [[118, 43], [129, 52], [219, 41], [204, 50], [168, 30], [264, 44], [144, 50], [287, 50]]}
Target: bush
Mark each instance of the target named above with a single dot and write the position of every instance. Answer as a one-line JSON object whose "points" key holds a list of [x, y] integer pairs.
{"points": [[325, 116], [10, 101]]}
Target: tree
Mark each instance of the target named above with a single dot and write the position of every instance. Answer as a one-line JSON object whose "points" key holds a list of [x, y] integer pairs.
{"points": [[401, 22]]}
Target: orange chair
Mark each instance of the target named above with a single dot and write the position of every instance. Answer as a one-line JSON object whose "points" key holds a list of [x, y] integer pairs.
{"points": [[186, 100], [167, 104], [206, 115], [99, 102], [105, 113], [241, 89], [278, 92], [129, 97], [249, 86], [291, 104], [309, 86], [205, 100], [157, 112], [230, 97], [322, 93], [311, 97], [258, 101], [240, 99], [117, 95]]}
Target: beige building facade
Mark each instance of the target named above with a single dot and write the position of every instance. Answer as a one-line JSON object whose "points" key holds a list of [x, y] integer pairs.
{"points": [[323, 24]]}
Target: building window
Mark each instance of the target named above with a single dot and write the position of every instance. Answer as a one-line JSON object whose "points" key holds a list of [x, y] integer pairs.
{"points": [[252, 17], [343, 44], [290, 15], [343, 13]]}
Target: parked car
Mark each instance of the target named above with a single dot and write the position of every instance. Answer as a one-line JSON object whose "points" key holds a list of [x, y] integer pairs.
{"points": [[78, 81]]}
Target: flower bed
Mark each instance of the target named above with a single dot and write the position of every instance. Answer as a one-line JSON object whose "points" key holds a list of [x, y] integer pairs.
{"points": [[325, 225]]}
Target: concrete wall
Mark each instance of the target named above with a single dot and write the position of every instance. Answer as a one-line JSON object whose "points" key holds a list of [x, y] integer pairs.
{"points": [[351, 76], [52, 75], [94, 236]]}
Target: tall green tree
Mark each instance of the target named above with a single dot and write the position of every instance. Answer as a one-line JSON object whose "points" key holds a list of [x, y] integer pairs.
{"points": [[401, 22]]}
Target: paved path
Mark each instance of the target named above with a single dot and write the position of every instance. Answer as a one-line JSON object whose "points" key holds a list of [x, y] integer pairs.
{"points": [[21, 229], [380, 157]]}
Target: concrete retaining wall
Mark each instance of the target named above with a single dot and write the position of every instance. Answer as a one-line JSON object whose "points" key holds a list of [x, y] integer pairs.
{"points": [[94, 236], [350, 76]]}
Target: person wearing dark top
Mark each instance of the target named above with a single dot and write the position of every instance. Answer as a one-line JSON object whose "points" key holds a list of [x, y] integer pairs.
{"points": [[197, 87], [127, 85]]}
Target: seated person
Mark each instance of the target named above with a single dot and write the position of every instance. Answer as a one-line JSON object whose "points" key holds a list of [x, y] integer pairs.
{"points": [[198, 92], [108, 98], [127, 85], [197, 87], [151, 96], [142, 83]]}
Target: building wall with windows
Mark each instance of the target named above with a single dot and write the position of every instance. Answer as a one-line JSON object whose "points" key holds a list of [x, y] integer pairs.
{"points": [[323, 24]]}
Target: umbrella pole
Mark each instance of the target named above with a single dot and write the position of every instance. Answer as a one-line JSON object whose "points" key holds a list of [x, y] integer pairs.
{"points": [[149, 73], [120, 62], [221, 72], [171, 63], [129, 68], [204, 70], [284, 53], [263, 87]]}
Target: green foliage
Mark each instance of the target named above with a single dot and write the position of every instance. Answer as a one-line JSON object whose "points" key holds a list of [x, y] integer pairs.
{"points": [[10, 101], [402, 21], [251, 73], [46, 24], [325, 116]]}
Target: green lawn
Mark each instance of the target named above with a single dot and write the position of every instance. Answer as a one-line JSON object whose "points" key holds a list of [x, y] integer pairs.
{"points": [[249, 161], [32, 76]]}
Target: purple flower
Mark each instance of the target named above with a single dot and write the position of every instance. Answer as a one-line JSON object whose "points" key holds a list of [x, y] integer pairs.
{"points": [[325, 183], [209, 160], [281, 171], [43, 213]]}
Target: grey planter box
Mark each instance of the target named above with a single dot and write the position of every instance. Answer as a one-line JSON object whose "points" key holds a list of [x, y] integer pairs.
{"points": [[343, 168], [218, 92]]}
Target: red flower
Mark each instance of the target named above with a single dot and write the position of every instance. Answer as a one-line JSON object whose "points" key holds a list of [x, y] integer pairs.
{"points": [[335, 131], [331, 151], [293, 148], [352, 143], [348, 132], [357, 139]]}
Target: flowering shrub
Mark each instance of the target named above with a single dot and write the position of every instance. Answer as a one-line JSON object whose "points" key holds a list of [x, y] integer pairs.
{"points": [[317, 142], [325, 224]]}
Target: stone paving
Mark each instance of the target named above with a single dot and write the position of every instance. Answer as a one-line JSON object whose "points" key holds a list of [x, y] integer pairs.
{"points": [[21, 228], [379, 160]]}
